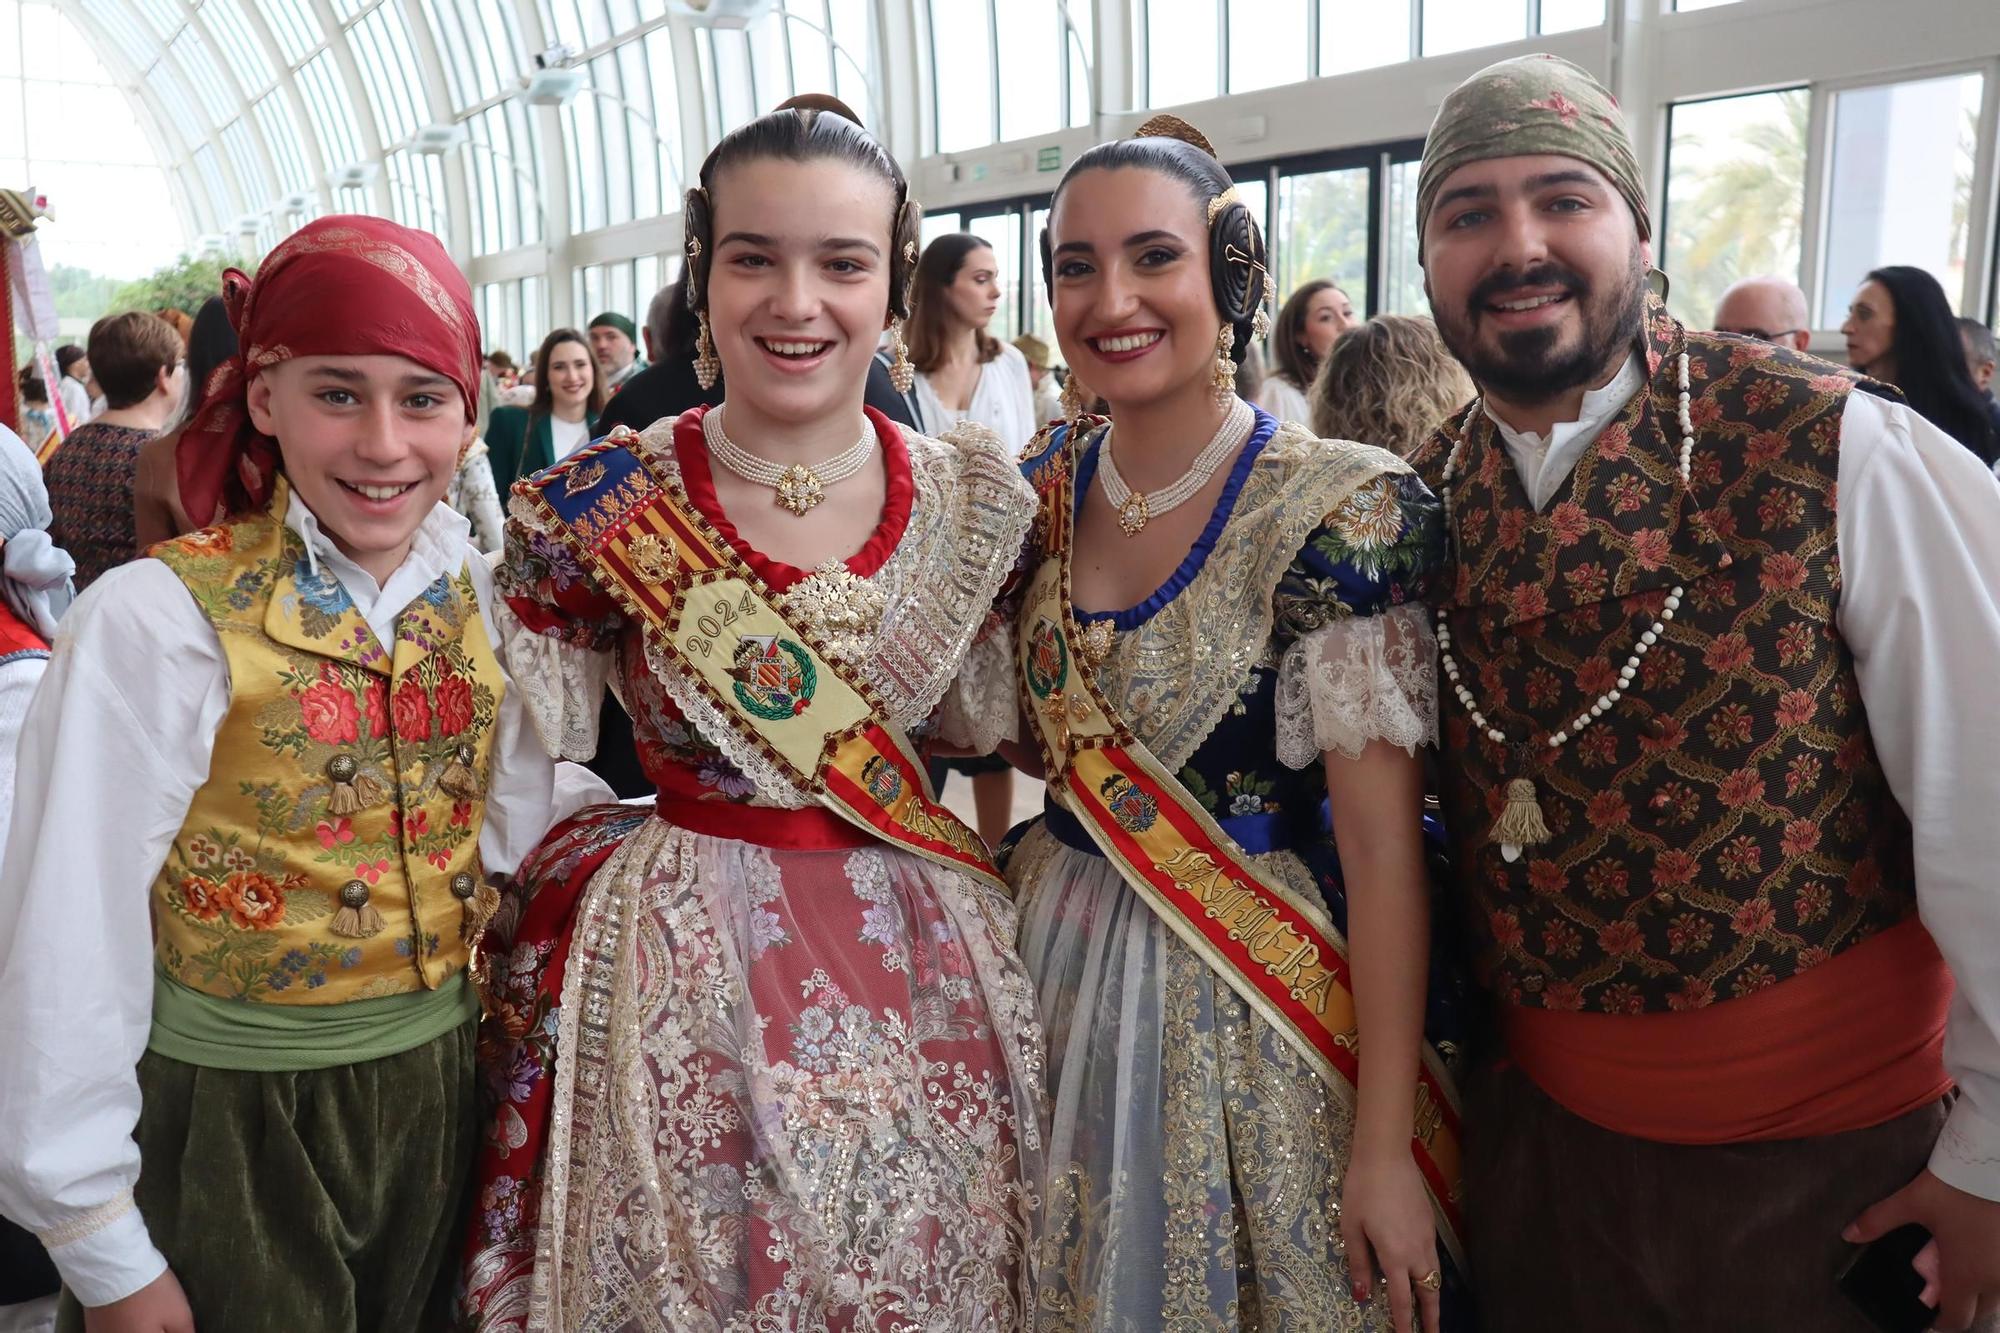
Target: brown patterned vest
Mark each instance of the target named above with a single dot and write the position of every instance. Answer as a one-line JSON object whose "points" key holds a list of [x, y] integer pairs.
{"points": [[1727, 824]]}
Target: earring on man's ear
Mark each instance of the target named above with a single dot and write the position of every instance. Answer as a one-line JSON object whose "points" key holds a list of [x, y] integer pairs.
{"points": [[707, 366], [902, 371], [1223, 379]]}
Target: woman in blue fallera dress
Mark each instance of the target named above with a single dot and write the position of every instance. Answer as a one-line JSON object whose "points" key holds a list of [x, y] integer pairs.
{"points": [[1272, 656]]}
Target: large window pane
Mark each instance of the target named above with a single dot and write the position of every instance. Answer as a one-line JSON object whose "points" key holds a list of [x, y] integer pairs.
{"points": [[1077, 39], [1736, 174], [1403, 284], [1460, 25], [1267, 43], [962, 74], [217, 94], [250, 173], [292, 23], [1568, 15], [770, 63], [1180, 51], [812, 58], [231, 27], [734, 92], [1323, 231], [1900, 184], [1041, 322], [1002, 231], [1361, 34], [327, 106], [382, 47], [938, 224], [1031, 38]]}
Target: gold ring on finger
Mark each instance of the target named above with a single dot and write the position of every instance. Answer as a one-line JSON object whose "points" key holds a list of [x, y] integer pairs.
{"points": [[1431, 1281]]}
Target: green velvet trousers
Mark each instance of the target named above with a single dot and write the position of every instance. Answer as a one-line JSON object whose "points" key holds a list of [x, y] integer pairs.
{"points": [[323, 1201]]}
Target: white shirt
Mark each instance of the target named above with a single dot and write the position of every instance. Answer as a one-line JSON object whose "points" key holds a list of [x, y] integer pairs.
{"points": [[1048, 401], [1003, 401], [1277, 396], [1918, 528], [1543, 464], [566, 437], [75, 400], [136, 690]]}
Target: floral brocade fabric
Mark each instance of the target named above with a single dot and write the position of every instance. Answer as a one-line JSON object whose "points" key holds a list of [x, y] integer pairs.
{"points": [[338, 862], [1727, 825], [745, 1076]]}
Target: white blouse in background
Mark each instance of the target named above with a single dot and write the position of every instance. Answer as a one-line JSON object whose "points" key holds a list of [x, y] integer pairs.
{"points": [[1003, 401], [1281, 400]]}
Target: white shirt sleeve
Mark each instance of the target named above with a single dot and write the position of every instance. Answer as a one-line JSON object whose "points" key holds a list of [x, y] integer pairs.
{"points": [[17, 686], [527, 791], [136, 690], [1918, 522]]}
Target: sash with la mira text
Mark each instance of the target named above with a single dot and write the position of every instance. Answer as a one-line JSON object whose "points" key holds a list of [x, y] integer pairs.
{"points": [[780, 696], [1280, 953]]}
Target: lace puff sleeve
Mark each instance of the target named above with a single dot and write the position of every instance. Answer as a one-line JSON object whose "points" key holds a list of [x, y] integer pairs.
{"points": [[557, 629], [1359, 660]]}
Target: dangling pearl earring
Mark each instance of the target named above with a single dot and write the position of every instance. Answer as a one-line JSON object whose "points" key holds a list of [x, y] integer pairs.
{"points": [[707, 366], [902, 371], [1224, 377]]}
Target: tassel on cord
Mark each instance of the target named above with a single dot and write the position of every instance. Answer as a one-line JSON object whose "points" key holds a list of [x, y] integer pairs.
{"points": [[477, 911], [357, 918], [353, 790], [1520, 824], [458, 779]]}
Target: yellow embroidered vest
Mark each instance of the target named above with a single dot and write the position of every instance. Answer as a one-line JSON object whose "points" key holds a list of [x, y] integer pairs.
{"points": [[333, 854]]}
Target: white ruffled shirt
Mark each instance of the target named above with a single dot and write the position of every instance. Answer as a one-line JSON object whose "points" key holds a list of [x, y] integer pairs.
{"points": [[1918, 527], [136, 691]]}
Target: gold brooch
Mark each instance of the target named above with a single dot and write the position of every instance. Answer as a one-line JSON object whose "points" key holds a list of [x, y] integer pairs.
{"points": [[653, 559], [843, 608], [1096, 641]]}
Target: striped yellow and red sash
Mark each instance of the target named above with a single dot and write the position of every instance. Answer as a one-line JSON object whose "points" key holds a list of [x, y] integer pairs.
{"points": [[772, 683], [1280, 953]]}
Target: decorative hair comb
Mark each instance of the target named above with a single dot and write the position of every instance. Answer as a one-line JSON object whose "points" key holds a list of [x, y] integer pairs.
{"points": [[1173, 127], [819, 102]]}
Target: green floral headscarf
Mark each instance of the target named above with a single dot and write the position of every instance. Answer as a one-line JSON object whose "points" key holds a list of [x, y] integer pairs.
{"points": [[1524, 107]]}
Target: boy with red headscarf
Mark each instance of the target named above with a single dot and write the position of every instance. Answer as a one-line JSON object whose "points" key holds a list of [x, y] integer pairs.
{"points": [[236, 1011]]}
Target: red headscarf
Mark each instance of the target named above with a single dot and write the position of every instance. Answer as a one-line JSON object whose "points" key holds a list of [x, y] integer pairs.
{"points": [[340, 286]]}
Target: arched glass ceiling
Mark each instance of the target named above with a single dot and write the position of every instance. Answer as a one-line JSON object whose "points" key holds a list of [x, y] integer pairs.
{"points": [[559, 189]]}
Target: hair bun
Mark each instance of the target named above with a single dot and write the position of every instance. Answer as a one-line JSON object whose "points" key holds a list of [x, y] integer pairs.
{"points": [[1173, 127], [820, 102]]}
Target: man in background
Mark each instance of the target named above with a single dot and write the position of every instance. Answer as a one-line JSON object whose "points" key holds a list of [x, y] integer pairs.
{"points": [[1048, 393], [614, 341], [1768, 309], [1982, 355]]}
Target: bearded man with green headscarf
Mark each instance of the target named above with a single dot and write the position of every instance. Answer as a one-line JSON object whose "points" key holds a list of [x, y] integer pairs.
{"points": [[1718, 623]]}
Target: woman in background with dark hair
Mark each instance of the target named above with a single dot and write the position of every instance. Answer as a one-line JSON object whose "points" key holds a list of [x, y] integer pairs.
{"points": [[1312, 320], [1223, 625], [569, 393], [1900, 330], [964, 373], [156, 491]]}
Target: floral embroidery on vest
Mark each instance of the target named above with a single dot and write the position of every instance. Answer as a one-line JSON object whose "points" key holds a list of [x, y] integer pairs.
{"points": [[333, 855], [1728, 825]]}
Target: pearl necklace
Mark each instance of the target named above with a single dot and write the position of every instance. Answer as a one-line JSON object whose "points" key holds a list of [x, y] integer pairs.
{"points": [[799, 487], [1520, 823], [1135, 509]]}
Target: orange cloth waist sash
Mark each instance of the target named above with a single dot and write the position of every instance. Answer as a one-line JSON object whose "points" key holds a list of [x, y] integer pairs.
{"points": [[1853, 1042]]}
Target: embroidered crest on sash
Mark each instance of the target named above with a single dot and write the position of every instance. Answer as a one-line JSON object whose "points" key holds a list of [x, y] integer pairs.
{"points": [[775, 677], [1048, 658]]}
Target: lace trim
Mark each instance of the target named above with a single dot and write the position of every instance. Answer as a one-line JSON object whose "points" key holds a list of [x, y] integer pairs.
{"points": [[981, 708], [1356, 681], [88, 1222], [560, 684], [1180, 672]]}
